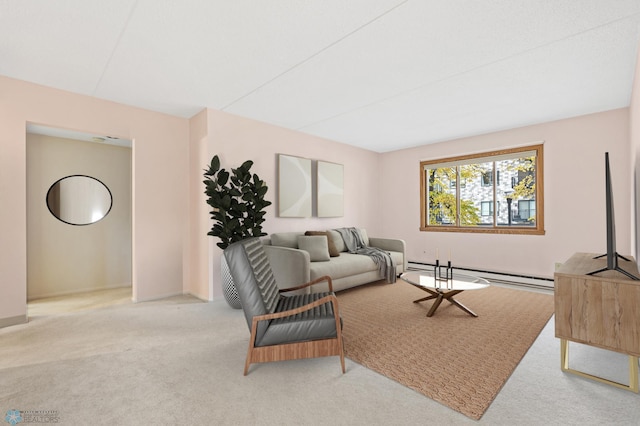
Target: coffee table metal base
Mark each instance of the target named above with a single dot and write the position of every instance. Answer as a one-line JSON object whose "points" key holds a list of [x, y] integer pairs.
{"points": [[440, 295]]}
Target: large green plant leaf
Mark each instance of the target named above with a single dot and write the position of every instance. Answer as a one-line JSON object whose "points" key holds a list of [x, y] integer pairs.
{"points": [[238, 203]]}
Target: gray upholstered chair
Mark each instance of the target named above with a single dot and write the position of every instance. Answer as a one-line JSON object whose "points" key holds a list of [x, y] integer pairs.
{"points": [[282, 327]]}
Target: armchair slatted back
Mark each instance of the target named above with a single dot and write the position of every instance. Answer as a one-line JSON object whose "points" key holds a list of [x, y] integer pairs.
{"points": [[294, 327], [253, 278]]}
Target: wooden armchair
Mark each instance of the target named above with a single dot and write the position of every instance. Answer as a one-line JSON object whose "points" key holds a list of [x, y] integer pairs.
{"points": [[282, 327]]}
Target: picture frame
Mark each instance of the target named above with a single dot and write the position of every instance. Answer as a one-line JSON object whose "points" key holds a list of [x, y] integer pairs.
{"points": [[294, 186], [330, 189]]}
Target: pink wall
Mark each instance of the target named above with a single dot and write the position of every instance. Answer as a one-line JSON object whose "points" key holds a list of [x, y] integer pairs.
{"points": [[172, 253], [634, 126], [197, 258], [574, 196], [160, 160], [236, 139]]}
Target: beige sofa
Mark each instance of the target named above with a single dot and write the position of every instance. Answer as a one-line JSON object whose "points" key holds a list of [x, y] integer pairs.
{"points": [[296, 259]]}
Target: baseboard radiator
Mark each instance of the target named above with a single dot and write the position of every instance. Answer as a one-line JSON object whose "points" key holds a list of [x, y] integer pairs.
{"points": [[539, 283]]}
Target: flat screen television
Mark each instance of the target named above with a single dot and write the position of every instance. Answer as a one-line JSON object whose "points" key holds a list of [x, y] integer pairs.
{"points": [[612, 255]]}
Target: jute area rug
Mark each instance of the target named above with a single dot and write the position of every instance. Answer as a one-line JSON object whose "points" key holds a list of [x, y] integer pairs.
{"points": [[451, 357]]}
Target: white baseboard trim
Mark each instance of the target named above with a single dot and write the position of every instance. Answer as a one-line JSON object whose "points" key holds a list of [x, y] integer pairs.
{"points": [[76, 291], [6, 322], [496, 277], [159, 297]]}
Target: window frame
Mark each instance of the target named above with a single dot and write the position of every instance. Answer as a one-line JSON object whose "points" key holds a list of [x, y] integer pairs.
{"points": [[528, 208], [484, 203], [538, 229], [486, 179]]}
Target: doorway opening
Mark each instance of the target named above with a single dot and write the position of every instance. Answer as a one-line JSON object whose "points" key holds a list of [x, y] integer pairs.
{"points": [[79, 220]]}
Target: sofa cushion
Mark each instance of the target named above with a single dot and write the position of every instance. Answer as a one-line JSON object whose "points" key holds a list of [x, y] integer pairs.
{"points": [[316, 323], [285, 239], [333, 251], [316, 246], [349, 264], [345, 265], [337, 240]]}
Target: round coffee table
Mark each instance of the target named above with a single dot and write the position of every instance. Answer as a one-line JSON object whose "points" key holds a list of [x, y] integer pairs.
{"points": [[442, 289]]}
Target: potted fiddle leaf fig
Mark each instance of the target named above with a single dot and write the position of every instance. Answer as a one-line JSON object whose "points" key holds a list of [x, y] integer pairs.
{"points": [[238, 206]]}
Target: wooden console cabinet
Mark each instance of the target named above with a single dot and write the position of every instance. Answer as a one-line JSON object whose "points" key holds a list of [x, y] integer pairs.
{"points": [[601, 310]]}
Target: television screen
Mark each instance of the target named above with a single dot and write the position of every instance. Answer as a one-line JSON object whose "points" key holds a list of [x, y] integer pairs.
{"points": [[612, 254]]}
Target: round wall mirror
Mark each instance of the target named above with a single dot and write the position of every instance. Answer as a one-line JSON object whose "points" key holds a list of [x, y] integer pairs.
{"points": [[79, 200]]}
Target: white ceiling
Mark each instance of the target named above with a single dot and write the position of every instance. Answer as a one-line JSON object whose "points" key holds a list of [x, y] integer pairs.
{"points": [[39, 129], [378, 74]]}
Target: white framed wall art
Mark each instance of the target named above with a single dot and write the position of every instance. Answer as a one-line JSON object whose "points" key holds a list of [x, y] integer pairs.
{"points": [[330, 189], [294, 186]]}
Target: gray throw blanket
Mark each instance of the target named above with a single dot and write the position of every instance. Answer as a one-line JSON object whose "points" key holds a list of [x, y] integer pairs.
{"points": [[355, 244]]}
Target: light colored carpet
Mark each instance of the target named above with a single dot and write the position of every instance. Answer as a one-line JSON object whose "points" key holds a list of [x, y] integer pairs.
{"points": [[179, 361], [77, 302], [456, 359]]}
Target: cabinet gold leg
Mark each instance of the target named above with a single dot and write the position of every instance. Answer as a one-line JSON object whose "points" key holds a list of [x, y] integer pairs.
{"points": [[633, 370], [633, 373], [564, 354]]}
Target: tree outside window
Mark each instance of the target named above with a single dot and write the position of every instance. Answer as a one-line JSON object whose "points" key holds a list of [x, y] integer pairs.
{"points": [[498, 192]]}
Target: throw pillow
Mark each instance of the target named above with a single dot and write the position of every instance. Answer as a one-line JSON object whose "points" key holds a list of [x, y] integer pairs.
{"points": [[333, 251], [285, 239], [316, 246], [337, 240]]}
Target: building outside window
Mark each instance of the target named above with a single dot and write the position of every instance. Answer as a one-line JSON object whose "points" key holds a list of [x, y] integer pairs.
{"points": [[486, 208], [526, 210], [486, 178], [502, 192]]}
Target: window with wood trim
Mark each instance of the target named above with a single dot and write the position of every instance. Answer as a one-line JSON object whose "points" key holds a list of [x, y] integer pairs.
{"points": [[499, 192]]}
